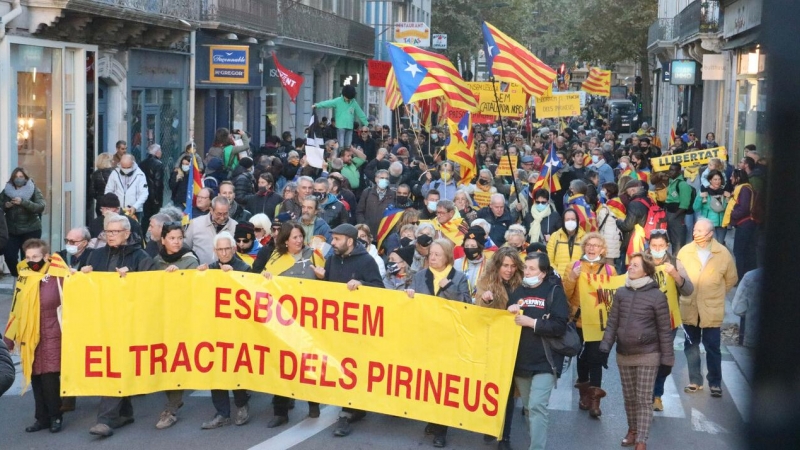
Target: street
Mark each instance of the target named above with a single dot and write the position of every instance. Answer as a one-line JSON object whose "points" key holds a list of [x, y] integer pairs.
{"points": [[688, 421]]}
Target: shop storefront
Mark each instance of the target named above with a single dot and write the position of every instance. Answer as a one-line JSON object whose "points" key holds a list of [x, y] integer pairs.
{"points": [[228, 87], [43, 125]]}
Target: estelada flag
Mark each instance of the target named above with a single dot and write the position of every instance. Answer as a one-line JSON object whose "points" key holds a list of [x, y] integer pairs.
{"points": [[290, 80], [390, 218], [598, 82]]}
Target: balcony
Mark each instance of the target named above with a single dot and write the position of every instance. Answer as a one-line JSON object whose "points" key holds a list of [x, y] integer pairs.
{"points": [[306, 24], [144, 10], [700, 16], [661, 32], [253, 17]]}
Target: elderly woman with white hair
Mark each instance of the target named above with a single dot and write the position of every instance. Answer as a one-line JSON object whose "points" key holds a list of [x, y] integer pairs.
{"points": [[424, 237], [261, 226], [464, 205], [515, 238]]}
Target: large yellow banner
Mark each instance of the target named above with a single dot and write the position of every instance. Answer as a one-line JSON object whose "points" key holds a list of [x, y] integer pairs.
{"points": [[558, 104], [597, 296], [512, 100], [374, 349], [689, 159]]}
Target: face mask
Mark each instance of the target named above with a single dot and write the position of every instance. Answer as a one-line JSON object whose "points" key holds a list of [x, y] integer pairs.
{"points": [[127, 171], [71, 249], [434, 136], [36, 265], [19, 182], [262, 189], [540, 207], [319, 195], [432, 206], [383, 183], [483, 182], [623, 165], [570, 225], [406, 241], [595, 159], [592, 260], [392, 268], [363, 242], [702, 239], [446, 176], [658, 255], [401, 199], [185, 167], [530, 281], [472, 253]]}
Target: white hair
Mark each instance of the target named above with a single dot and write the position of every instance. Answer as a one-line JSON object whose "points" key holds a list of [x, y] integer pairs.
{"points": [[116, 218], [224, 235], [261, 220], [153, 149], [425, 228], [483, 224]]}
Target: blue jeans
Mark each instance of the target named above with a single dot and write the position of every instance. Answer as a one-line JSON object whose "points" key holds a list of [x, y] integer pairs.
{"points": [[691, 348], [719, 234], [658, 390], [345, 138], [744, 247], [690, 219], [535, 394]]}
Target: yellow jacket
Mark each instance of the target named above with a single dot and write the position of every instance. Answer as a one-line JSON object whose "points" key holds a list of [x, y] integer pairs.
{"points": [[571, 284], [558, 250], [705, 307]]}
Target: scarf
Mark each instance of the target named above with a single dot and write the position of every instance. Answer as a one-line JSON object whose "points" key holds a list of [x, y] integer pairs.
{"points": [[438, 276], [536, 226], [690, 173], [726, 220], [24, 320], [637, 283], [25, 192], [171, 258]]}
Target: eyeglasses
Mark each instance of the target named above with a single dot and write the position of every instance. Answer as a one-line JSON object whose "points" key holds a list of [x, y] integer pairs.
{"points": [[594, 245], [114, 232], [242, 240], [658, 231], [258, 230], [71, 242]]}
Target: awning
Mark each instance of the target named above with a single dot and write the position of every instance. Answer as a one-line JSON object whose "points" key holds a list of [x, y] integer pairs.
{"points": [[746, 38]]}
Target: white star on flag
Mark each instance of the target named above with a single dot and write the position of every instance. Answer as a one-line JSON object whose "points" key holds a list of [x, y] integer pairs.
{"points": [[489, 49], [464, 133], [413, 68]]}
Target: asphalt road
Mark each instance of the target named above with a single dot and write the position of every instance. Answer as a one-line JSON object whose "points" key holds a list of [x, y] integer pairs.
{"points": [[689, 421]]}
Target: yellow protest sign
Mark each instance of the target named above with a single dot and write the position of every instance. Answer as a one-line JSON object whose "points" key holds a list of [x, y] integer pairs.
{"points": [[689, 159], [424, 358], [482, 199], [597, 295], [504, 168], [558, 104], [512, 100]]}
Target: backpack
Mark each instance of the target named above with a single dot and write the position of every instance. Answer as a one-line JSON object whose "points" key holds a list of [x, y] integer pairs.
{"points": [[690, 209], [656, 218]]}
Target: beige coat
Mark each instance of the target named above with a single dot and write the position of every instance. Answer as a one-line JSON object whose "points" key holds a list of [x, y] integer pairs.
{"points": [[705, 307], [200, 237]]}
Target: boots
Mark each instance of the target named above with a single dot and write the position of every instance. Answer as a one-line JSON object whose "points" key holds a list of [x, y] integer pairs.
{"points": [[630, 439], [595, 394], [640, 446], [583, 391]]}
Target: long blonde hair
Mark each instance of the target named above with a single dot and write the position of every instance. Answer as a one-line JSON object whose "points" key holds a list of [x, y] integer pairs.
{"points": [[491, 281]]}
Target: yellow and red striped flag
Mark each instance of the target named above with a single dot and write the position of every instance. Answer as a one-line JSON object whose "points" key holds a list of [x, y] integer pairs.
{"points": [[507, 60], [393, 99], [423, 75], [460, 148], [598, 82]]}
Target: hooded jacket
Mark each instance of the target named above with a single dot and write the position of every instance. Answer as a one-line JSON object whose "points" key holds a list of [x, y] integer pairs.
{"points": [[109, 259], [263, 203], [131, 190], [333, 212], [358, 265]]}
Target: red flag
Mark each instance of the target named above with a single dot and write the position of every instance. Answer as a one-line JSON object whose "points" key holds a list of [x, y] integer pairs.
{"points": [[290, 80]]}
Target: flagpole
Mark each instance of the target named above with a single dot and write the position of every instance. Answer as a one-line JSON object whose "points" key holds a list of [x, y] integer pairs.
{"points": [[503, 140]]}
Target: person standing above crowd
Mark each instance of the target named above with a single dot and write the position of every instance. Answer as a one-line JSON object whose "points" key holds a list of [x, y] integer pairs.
{"points": [[23, 205], [345, 110]]}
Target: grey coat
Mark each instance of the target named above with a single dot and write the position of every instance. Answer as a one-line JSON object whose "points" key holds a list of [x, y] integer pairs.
{"points": [[457, 289]]}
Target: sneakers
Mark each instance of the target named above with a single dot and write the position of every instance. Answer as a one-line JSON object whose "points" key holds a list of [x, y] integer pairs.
{"points": [[166, 420], [217, 422], [342, 427], [242, 415], [55, 425], [657, 405], [101, 429], [277, 421]]}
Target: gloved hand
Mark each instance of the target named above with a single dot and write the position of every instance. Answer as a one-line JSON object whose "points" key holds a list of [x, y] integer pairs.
{"points": [[604, 357], [664, 371]]}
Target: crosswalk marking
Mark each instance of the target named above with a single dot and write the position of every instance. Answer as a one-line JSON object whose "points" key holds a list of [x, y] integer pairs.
{"points": [[302, 431], [737, 387], [561, 397], [671, 400]]}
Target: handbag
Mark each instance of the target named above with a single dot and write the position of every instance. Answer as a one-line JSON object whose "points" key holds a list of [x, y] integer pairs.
{"points": [[716, 204], [568, 344]]}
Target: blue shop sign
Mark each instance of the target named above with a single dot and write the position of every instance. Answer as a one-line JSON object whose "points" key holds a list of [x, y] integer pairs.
{"points": [[684, 73]]}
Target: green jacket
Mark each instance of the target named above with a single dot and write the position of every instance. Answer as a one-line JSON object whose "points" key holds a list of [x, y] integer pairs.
{"points": [[25, 217], [682, 196], [703, 209], [344, 112], [350, 171]]}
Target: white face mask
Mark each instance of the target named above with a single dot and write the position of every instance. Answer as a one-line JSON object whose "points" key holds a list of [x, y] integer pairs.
{"points": [[126, 171], [623, 165], [530, 281], [592, 260], [185, 167], [570, 225], [71, 249]]}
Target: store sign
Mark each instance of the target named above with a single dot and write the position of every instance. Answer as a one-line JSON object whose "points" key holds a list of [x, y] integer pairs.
{"points": [[684, 73], [414, 33], [713, 67], [229, 64], [440, 41], [740, 16]]}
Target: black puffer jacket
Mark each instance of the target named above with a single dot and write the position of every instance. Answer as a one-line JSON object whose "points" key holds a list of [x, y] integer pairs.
{"points": [[636, 214], [639, 322], [109, 259], [7, 370], [358, 265], [263, 202], [531, 357]]}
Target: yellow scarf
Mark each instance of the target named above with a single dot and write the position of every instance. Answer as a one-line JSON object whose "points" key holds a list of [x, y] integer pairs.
{"points": [[438, 276], [278, 264], [23, 325], [726, 220], [450, 229]]}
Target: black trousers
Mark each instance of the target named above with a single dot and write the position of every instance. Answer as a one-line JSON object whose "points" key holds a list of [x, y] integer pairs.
{"points": [[280, 405], [590, 363], [222, 404], [47, 397], [14, 249]]}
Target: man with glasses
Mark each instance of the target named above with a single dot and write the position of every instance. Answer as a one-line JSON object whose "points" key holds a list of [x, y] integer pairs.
{"points": [[203, 203], [365, 142], [120, 257], [75, 252], [202, 230]]}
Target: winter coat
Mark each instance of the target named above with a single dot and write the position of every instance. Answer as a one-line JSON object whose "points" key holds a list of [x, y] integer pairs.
{"points": [[609, 231], [635, 214], [333, 212], [344, 112], [25, 217], [371, 207], [571, 285], [3, 230], [178, 187], [187, 261], [705, 307], [358, 265], [47, 357], [153, 170], [131, 190], [531, 357], [703, 209], [639, 323], [263, 203], [457, 289], [200, 237], [109, 259], [562, 251], [499, 224], [236, 262], [243, 186], [239, 213], [98, 182], [7, 370], [76, 263], [321, 228]]}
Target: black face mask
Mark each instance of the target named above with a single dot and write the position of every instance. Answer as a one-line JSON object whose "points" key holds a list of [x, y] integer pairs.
{"points": [[320, 195], [472, 253], [406, 241], [364, 243], [36, 265], [392, 268], [401, 200], [483, 182]]}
